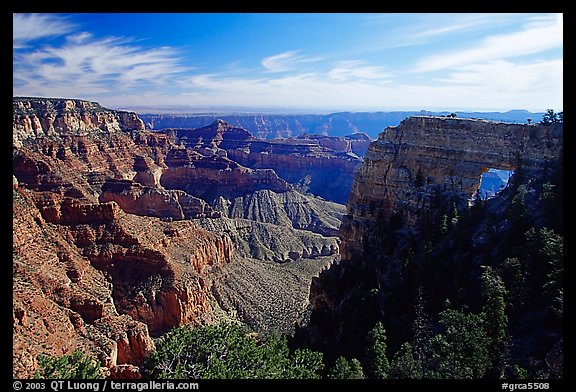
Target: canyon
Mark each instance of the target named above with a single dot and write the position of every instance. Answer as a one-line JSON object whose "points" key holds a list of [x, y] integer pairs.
{"points": [[120, 233], [277, 125], [323, 166]]}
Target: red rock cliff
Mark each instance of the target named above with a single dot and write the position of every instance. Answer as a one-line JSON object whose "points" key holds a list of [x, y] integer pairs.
{"points": [[87, 275]]}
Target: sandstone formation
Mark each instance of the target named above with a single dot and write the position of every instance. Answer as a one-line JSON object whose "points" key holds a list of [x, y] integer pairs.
{"points": [[209, 177], [412, 162], [303, 162], [60, 302], [153, 275], [135, 198], [121, 233], [39, 117], [409, 242], [356, 143]]}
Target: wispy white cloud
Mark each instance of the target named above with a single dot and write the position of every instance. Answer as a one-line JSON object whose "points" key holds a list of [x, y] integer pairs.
{"points": [[92, 66], [536, 37], [506, 75], [30, 27], [472, 88], [426, 28], [286, 61], [357, 69], [79, 38], [118, 72], [437, 25]]}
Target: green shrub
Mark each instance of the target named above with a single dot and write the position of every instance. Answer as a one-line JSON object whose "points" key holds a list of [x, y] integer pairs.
{"points": [[228, 351], [73, 366]]}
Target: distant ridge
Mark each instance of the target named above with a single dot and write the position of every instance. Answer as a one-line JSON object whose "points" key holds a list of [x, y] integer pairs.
{"points": [[269, 126]]}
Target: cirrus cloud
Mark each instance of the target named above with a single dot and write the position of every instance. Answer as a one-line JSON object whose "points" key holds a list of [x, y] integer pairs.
{"points": [[30, 27], [92, 66], [539, 35], [286, 61]]}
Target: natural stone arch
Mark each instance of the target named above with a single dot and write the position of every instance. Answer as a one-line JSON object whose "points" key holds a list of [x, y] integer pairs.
{"points": [[448, 152]]}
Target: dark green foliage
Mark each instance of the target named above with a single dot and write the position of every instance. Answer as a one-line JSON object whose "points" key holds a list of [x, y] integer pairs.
{"points": [[462, 350], [459, 351], [377, 362], [518, 213], [74, 366], [303, 364], [548, 192], [498, 265], [515, 272], [228, 351], [548, 249], [404, 365], [344, 369], [444, 224], [494, 293], [550, 117], [422, 331], [519, 373]]}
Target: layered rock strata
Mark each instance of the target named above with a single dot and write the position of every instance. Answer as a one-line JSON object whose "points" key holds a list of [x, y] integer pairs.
{"points": [[306, 163], [45, 117], [118, 278], [395, 244], [121, 233], [426, 156]]}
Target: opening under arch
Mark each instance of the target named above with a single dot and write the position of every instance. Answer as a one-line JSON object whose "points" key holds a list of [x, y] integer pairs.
{"points": [[493, 181]]}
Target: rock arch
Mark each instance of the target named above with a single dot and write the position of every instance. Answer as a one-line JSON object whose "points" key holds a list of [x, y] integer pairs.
{"points": [[448, 152]]}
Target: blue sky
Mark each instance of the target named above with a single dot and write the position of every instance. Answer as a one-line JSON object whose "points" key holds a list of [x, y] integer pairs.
{"points": [[308, 61]]}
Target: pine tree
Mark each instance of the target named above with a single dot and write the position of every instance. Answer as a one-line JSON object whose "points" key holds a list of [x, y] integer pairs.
{"points": [[377, 362], [227, 351], [73, 366], [343, 369], [494, 294], [515, 275], [422, 332], [404, 365], [462, 350], [550, 117], [547, 250]]}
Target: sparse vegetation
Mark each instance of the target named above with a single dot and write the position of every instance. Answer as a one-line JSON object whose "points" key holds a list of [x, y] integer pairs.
{"points": [[229, 351], [74, 366]]}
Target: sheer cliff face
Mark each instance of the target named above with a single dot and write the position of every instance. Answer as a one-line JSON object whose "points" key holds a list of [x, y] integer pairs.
{"points": [[105, 251], [87, 275], [424, 156], [39, 117], [392, 242], [90, 277]]}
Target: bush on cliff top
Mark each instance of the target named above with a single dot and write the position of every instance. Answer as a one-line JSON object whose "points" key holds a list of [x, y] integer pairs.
{"points": [[228, 351]]}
